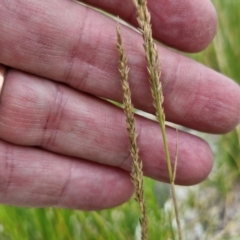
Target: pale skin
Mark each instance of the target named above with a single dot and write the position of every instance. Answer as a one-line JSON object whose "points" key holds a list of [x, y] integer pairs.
{"points": [[63, 146]]}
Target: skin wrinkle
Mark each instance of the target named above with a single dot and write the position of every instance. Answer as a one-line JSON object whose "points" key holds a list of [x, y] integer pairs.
{"points": [[83, 81], [9, 167], [175, 20], [196, 96], [171, 19], [65, 186], [88, 129], [73, 53], [184, 34], [23, 103], [54, 118], [175, 103], [23, 17], [14, 179], [168, 86]]}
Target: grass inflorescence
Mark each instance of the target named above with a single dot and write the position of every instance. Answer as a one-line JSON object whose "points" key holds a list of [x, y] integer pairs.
{"points": [[136, 173], [154, 70]]}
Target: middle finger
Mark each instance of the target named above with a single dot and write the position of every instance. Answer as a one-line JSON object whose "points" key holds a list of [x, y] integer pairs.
{"points": [[38, 112]]}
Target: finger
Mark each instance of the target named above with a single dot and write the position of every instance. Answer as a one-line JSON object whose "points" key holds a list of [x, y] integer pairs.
{"points": [[34, 177], [80, 51], [38, 112], [185, 24]]}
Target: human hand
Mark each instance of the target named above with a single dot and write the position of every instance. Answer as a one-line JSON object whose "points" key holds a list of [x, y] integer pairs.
{"points": [[63, 146]]}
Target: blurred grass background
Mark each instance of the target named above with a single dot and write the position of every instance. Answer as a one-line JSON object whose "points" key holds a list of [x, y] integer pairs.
{"points": [[208, 211]]}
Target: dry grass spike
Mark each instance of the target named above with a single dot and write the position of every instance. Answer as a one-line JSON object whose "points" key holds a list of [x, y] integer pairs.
{"points": [[153, 66], [136, 173]]}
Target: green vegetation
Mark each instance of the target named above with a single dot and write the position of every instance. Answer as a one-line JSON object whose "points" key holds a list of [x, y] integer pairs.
{"points": [[223, 55], [60, 224], [204, 204]]}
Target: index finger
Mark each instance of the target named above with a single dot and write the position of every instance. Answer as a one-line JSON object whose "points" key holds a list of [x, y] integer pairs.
{"points": [[188, 25]]}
